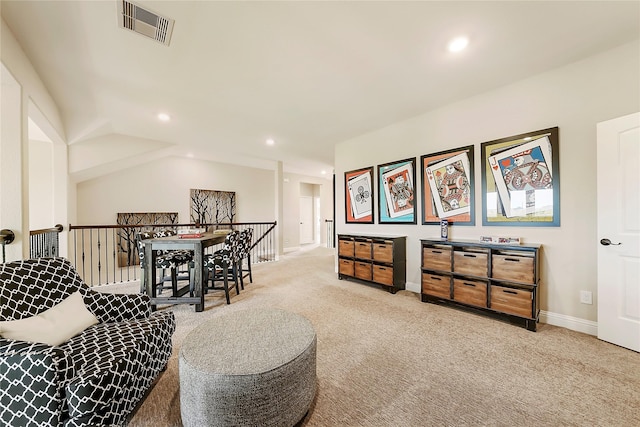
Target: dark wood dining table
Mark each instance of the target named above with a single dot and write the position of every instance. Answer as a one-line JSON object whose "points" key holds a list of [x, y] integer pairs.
{"points": [[197, 245]]}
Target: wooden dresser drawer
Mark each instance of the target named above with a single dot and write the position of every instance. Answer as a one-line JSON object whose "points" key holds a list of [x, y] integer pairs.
{"points": [[513, 267], [383, 274], [513, 301], [473, 263], [345, 248], [436, 258], [383, 252], [362, 270], [345, 266], [436, 285], [470, 292], [363, 249]]}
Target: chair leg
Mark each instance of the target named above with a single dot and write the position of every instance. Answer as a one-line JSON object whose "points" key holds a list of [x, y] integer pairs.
{"points": [[249, 268], [192, 274], [226, 287], [161, 283], [174, 281], [237, 274], [143, 287]]}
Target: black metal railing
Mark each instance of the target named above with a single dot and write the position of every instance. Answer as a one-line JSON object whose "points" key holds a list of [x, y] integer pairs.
{"points": [[6, 238], [104, 254], [45, 242]]}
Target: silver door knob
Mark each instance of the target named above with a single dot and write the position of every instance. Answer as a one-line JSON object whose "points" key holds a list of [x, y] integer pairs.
{"points": [[607, 242]]}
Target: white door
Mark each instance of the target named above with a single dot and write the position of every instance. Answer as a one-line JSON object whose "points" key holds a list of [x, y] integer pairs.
{"points": [[618, 151], [306, 220]]}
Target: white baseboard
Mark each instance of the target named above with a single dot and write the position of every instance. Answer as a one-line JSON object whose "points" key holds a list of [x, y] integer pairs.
{"points": [[569, 322], [413, 287], [555, 319]]}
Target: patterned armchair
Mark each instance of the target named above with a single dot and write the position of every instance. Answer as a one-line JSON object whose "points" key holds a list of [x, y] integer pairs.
{"points": [[95, 378]]}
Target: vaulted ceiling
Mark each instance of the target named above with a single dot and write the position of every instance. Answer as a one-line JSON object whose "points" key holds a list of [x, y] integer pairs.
{"points": [[306, 74]]}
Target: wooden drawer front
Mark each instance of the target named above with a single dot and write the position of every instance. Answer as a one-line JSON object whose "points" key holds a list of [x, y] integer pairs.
{"points": [[345, 248], [383, 274], [363, 250], [363, 270], [383, 252], [514, 301], [470, 292], [473, 263], [512, 267], [437, 258], [433, 284], [345, 266]]}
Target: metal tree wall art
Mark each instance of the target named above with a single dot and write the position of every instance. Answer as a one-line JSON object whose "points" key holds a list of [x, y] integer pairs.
{"points": [[127, 251], [212, 207]]}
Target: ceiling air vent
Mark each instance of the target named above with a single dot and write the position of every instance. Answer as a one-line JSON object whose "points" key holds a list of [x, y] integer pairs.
{"points": [[143, 21]]}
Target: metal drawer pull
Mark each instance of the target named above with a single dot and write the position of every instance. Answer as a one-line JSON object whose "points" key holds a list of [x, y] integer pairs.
{"points": [[436, 278], [470, 255], [506, 291], [436, 252], [512, 259], [382, 247], [469, 284], [381, 268]]}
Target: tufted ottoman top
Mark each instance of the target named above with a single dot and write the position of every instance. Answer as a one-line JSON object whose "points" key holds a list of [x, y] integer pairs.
{"points": [[247, 342]]}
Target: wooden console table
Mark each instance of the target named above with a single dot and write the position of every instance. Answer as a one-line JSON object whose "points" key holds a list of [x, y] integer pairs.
{"points": [[498, 280], [376, 259]]}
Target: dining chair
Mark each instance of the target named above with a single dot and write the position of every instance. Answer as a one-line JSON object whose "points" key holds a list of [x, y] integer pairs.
{"points": [[232, 244], [217, 265], [172, 260], [246, 239]]}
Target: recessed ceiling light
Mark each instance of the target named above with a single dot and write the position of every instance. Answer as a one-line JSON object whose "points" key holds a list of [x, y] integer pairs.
{"points": [[164, 117], [458, 44], [323, 172], [270, 141]]}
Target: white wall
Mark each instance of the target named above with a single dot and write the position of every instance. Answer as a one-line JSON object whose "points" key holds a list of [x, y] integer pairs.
{"points": [[574, 98], [164, 186], [41, 185], [295, 186], [26, 96]]}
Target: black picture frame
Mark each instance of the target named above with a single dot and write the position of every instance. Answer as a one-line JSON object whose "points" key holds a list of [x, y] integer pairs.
{"points": [[521, 180], [359, 199], [397, 199], [454, 201]]}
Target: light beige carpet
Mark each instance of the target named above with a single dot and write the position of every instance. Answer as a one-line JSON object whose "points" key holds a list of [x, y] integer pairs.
{"points": [[391, 360]]}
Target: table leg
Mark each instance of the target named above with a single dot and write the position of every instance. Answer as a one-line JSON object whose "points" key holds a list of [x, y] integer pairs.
{"points": [[198, 256], [150, 272]]}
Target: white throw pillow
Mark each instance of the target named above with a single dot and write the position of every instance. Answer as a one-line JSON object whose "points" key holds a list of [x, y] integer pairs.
{"points": [[53, 326]]}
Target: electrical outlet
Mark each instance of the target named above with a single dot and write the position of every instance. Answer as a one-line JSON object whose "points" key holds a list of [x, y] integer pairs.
{"points": [[586, 297]]}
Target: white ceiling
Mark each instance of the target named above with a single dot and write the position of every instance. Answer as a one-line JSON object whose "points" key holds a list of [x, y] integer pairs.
{"points": [[308, 74]]}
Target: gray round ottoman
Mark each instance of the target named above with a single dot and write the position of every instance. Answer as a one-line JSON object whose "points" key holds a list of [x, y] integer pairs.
{"points": [[253, 367]]}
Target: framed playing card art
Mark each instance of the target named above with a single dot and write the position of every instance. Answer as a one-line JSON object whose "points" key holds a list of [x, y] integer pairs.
{"points": [[359, 196], [447, 186], [521, 180], [396, 187]]}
